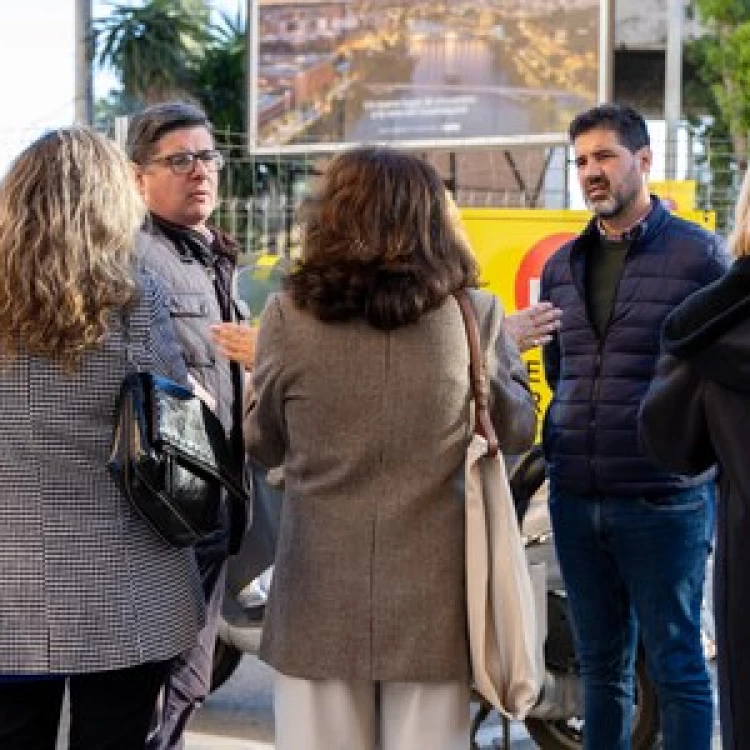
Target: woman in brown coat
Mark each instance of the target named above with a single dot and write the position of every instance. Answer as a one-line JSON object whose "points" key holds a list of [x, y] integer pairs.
{"points": [[363, 395]]}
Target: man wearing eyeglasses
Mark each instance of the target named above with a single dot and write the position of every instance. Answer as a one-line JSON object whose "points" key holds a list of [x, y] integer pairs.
{"points": [[177, 168]]}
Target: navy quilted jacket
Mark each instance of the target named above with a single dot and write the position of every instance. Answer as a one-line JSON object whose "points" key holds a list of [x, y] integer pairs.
{"points": [[591, 429]]}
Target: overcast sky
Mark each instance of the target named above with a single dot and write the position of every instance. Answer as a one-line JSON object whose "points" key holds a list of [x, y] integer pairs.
{"points": [[37, 60]]}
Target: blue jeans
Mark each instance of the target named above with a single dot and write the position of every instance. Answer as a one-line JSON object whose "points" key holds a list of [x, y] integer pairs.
{"points": [[630, 564]]}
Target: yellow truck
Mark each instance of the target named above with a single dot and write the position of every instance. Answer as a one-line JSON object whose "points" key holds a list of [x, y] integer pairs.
{"points": [[512, 246]]}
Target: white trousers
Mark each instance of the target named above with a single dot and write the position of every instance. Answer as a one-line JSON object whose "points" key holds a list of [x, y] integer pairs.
{"points": [[337, 715]]}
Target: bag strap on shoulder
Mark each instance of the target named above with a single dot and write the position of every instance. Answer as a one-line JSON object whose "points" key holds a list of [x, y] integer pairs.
{"points": [[477, 373]]}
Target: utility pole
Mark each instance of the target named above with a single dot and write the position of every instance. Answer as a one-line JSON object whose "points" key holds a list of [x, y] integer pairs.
{"points": [[84, 101], [673, 80]]}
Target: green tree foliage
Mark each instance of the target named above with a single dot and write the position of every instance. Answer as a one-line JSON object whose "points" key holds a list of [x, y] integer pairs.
{"points": [[720, 92], [723, 12], [220, 74], [155, 47], [722, 59], [166, 49], [708, 123]]}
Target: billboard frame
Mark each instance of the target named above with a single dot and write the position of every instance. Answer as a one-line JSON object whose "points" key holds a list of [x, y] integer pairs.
{"points": [[604, 93]]}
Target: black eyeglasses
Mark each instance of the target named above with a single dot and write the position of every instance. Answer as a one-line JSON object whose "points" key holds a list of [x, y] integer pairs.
{"points": [[183, 162]]}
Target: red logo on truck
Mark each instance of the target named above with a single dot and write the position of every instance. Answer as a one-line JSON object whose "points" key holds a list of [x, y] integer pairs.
{"points": [[530, 268]]}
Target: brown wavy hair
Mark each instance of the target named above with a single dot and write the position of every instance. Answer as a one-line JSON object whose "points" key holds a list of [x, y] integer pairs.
{"points": [[69, 209], [381, 240]]}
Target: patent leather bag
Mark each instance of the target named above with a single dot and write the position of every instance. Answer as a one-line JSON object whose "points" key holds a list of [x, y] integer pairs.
{"points": [[172, 460]]}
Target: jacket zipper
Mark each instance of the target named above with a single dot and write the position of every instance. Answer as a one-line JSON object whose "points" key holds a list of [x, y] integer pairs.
{"points": [[592, 412], [591, 442]]}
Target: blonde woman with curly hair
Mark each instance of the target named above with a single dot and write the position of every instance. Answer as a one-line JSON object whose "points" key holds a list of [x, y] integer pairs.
{"points": [[89, 595]]}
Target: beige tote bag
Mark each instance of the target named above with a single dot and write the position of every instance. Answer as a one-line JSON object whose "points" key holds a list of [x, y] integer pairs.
{"points": [[505, 637]]}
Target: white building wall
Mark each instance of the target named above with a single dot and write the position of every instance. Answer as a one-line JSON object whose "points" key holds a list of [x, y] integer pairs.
{"points": [[643, 25]]}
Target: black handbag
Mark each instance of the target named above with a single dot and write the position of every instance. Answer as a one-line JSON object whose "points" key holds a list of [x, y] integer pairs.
{"points": [[172, 460]]}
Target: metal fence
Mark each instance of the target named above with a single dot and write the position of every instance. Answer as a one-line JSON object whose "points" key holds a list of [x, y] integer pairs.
{"points": [[260, 194]]}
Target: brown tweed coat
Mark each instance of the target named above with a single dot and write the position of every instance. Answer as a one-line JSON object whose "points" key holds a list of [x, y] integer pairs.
{"points": [[371, 428]]}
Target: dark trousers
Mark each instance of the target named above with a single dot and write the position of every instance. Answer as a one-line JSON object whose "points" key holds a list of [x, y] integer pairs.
{"points": [[108, 710], [732, 612], [189, 676]]}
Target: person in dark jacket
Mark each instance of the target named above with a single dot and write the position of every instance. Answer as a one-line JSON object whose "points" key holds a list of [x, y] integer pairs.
{"points": [[632, 538], [177, 165], [696, 413]]}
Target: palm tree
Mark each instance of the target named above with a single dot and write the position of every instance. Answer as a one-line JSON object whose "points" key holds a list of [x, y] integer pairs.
{"points": [[220, 75], [155, 47]]}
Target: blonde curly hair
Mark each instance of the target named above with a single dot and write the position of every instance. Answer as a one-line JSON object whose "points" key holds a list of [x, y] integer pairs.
{"points": [[739, 239], [69, 210]]}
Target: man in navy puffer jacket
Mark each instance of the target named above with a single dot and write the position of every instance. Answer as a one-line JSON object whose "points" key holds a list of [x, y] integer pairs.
{"points": [[632, 539]]}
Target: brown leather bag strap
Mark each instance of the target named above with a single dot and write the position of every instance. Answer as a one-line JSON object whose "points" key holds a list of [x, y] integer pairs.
{"points": [[477, 374]]}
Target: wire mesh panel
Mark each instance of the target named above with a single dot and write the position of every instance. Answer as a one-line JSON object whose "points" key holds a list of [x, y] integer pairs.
{"points": [[260, 194]]}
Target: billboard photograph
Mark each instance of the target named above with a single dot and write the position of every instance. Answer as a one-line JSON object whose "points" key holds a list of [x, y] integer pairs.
{"points": [[336, 72]]}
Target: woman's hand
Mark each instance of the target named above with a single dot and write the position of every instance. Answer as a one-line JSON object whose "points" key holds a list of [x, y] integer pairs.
{"points": [[236, 341], [534, 325]]}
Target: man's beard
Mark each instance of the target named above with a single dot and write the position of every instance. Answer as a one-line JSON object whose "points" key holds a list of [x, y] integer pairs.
{"points": [[617, 200], [605, 208]]}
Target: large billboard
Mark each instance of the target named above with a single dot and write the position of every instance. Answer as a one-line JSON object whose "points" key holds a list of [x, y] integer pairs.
{"points": [[329, 73]]}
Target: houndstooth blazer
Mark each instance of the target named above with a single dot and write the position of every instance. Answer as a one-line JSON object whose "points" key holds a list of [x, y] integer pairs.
{"points": [[85, 584]]}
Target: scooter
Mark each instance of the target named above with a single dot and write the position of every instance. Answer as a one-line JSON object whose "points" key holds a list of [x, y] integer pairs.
{"points": [[556, 722], [248, 580]]}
